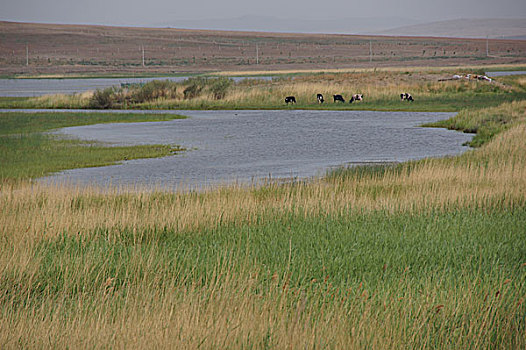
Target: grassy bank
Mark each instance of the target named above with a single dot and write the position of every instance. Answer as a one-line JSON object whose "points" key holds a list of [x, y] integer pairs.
{"points": [[381, 90], [427, 254], [485, 123], [27, 152]]}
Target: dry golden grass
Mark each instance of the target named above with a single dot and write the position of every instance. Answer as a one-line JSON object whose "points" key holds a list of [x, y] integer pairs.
{"points": [[381, 90], [73, 101], [497, 172]]}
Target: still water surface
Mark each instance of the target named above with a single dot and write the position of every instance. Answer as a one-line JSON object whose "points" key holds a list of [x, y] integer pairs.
{"points": [[505, 73], [38, 87], [246, 146]]}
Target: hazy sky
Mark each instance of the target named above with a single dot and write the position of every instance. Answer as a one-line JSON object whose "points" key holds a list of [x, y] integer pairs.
{"points": [[152, 12]]}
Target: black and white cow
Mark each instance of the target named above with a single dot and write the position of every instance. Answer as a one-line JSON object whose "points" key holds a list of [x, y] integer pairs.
{"points": [[290, 99], [320, 98], [406, 96], [356, 97], [338, 98]]}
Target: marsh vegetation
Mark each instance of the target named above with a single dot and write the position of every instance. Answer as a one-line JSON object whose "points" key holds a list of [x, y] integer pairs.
{"points": [[27, 151], [381, 90], [424, 254]]}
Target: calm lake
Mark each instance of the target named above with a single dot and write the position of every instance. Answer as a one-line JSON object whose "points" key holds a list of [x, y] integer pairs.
{"points": [[38, 87], [505, 73], [247, 146]]}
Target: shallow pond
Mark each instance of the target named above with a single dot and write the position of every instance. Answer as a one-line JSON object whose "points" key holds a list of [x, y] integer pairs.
{"points": [[246, 146], [505, 73], [38, 87]]}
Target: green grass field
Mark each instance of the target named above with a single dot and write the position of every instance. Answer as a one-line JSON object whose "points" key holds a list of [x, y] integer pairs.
{"points": [[436, 280], [424, 255]]}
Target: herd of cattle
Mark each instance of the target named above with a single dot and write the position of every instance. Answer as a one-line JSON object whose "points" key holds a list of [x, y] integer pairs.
{"points": [[339, 98]]}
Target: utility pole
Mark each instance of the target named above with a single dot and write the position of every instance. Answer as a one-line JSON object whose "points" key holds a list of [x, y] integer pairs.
{"points": [[487, 45], [370, 51], [142, 55], [27, 55], [257, 54]]}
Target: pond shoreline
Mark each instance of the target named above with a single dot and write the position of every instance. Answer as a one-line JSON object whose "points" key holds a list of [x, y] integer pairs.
{"points": [[253, 146]]}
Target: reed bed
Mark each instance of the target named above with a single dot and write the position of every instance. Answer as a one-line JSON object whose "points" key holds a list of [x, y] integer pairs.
{"points": [[486, 123], [232, 311], [381, 90], [426, 254], [72, 101]]}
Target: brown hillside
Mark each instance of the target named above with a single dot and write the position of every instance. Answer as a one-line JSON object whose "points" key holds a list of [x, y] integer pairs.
{"points": [[66, 49]]}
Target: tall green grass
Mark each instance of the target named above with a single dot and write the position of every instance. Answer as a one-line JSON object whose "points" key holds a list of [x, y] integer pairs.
{"points": [[451, 279], [345, 249]]}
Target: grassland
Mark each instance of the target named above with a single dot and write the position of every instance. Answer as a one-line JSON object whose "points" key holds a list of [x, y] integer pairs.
{"points": [[27, 152], [381, 88], [426, 254]]}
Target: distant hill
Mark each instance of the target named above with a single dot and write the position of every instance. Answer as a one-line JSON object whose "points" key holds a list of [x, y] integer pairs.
{"points": [[58, 49], [292, 25], [464, 28]]}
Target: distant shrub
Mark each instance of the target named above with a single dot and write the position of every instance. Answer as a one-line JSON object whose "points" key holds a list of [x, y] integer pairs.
{"points": [[194, 87], [103, 99], [219, 87], [479, 71], [154, 90], [192, 91]]}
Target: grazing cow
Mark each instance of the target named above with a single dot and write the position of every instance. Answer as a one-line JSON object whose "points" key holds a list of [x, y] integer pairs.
{"points": [[320, 98], [406, 96], [338, 98], [290, 99], [356, 97], [478, 77]]}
